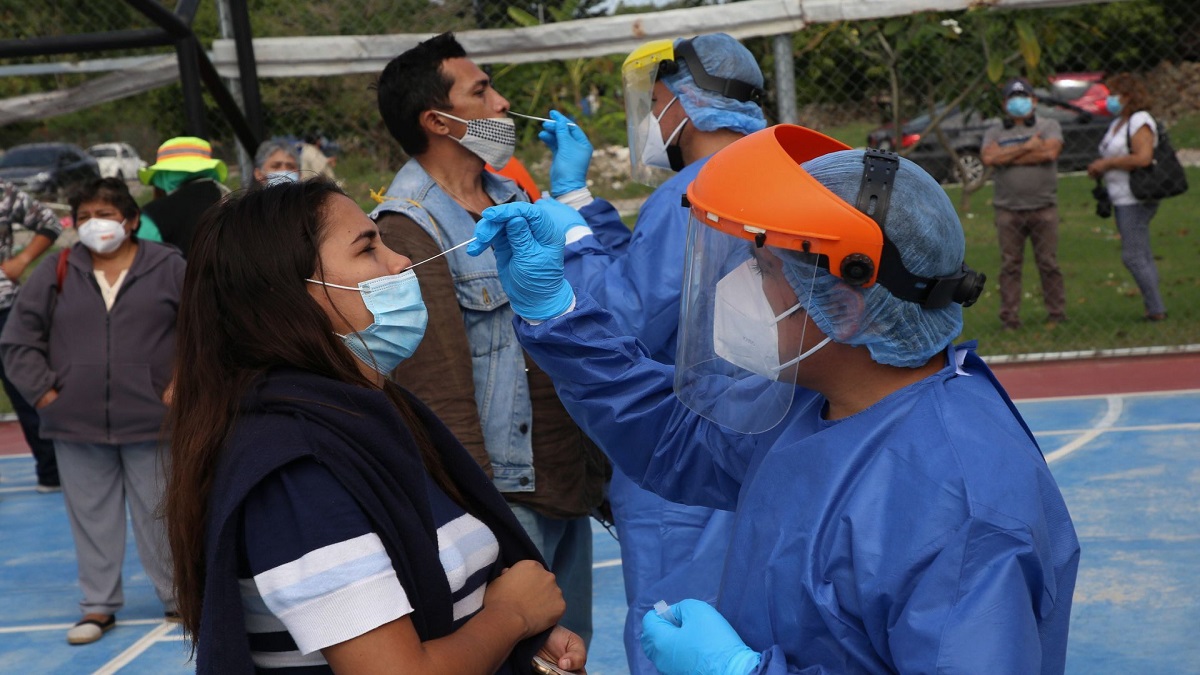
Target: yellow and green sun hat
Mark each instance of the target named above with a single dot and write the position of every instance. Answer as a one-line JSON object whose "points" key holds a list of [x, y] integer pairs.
{"points": [[184, 153]]}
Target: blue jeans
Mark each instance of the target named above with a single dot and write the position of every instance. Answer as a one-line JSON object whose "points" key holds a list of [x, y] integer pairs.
{"points": [[566, 546], [1133, 222]]}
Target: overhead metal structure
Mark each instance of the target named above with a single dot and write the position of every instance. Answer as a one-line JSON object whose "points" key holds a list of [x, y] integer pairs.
{"points": [[195, 68]]}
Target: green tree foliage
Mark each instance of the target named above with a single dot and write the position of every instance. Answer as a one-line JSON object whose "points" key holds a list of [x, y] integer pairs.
{"points": [[898, 65]]}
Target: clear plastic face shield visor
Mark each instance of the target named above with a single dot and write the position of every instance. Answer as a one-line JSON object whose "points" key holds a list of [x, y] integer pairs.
{"points": [[744, 334], [640, 72]]}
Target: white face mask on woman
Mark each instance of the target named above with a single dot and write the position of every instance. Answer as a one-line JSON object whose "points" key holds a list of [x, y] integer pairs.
{"points": [[102, 235], [492, 139]]}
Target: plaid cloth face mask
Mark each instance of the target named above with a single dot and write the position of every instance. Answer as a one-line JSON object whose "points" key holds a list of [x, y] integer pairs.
{"points": [[492, 139]]}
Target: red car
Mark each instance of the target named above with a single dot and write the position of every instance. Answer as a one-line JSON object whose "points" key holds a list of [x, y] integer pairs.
{"points": [[1083, 90]]}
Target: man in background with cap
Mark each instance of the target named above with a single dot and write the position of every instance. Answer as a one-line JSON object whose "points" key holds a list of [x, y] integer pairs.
{"points": [[1024, 151], [186, 180], [685, 100]]}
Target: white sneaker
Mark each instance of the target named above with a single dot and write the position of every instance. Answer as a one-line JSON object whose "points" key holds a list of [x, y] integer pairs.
{"points": [[48, 489], [90, 630]]}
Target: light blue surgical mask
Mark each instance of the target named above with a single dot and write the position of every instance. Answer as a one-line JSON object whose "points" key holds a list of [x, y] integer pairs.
{"points": [[1019, 106], [1113, 104], [276, 177], [400, 318]]}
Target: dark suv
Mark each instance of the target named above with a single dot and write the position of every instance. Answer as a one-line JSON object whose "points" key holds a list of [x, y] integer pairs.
{"points": [[47, 169]]}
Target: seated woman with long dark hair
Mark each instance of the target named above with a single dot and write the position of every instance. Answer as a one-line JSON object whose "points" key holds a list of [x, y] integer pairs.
{"points": [[322, 519]]}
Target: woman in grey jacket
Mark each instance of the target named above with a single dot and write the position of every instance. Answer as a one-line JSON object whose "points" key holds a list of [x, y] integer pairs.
{"points": [[90, 343]]}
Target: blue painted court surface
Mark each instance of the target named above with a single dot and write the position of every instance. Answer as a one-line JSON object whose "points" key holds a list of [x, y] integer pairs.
{"points": [[1128, 465]]}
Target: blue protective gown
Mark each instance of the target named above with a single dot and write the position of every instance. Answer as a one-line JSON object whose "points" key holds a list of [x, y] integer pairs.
{"points": [[669, 551], [923, 534]]}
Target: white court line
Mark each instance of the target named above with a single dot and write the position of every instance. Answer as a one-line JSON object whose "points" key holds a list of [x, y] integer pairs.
{"points": [[136, 649], [1168, 393], [615, 562], [1179, 426], [65, 626], [19, 488], [1115, 405]]}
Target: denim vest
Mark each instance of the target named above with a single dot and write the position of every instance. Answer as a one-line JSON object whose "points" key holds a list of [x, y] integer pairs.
{"points": [[497, 360]]}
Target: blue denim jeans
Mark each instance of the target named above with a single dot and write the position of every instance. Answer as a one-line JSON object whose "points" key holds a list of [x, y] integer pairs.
{"points": [[566, 546]]}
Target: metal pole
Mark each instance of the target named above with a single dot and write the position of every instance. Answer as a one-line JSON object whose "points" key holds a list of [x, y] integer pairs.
{"points": [[189, 79], [88, 42], [785, 79], [243, 37], [245, 162]]}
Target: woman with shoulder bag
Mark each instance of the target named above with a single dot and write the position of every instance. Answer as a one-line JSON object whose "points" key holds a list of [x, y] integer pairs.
{"points": [[1129, 145], [90, 343]]}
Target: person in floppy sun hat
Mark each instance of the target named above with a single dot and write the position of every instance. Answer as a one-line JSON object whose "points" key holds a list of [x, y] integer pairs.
{"points": [[186, 179]]}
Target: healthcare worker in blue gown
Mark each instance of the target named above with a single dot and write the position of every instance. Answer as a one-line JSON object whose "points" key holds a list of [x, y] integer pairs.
{"points": [[684, 100], [893, 512]]}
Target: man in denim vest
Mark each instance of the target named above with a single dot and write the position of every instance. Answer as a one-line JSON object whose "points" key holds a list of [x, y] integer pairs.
{"points": [[469, 368]]}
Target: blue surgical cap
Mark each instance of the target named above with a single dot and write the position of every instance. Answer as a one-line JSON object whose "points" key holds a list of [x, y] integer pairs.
{"points": [[923, 225], [721, 56]]}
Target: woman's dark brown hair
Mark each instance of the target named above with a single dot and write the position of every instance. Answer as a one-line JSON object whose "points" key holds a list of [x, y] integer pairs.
{"points": [[109, 190], [1132, 91], [246, 309]]}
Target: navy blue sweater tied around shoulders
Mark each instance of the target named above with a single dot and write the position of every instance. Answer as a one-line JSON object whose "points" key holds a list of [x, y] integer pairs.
{"points": [[359, 436]]}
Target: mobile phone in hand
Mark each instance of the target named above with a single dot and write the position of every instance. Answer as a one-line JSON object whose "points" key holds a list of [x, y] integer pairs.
{"points": [[544, 667]]}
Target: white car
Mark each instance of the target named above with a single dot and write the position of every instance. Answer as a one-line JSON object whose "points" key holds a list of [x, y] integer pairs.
{"points": [[118, 160]]}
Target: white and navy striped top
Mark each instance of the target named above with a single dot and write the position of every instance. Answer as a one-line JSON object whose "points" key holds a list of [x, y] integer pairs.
{"points": [[313, 574]]}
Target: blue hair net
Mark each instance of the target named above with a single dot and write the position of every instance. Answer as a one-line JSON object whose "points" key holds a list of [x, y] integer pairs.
{"points": [[926, 230], [721, 56]]}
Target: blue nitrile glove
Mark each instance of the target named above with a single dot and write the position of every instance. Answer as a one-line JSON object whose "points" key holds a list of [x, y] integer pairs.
{"points": [[528, 243], [702, 644], [572, 154]]}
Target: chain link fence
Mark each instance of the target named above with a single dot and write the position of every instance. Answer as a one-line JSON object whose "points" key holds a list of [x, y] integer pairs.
{"points": [[925, 84]]}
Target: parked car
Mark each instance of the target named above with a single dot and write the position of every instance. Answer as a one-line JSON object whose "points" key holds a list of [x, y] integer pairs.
{"points": [[117, 160], [911, 130], [963, 131], [1082, 90], [47, 169]]}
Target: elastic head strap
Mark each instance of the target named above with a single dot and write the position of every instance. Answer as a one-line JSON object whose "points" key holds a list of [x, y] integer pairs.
{"points": [[874, 198], [875, 191], [727, 87]]}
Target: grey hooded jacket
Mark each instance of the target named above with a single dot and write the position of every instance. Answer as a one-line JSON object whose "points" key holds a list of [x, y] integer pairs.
{"points": [[110, 367]]}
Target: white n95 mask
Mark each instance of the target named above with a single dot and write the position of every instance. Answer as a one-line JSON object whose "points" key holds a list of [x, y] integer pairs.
{"points": [[746, 329], [102, 235], [492, 139], [654, 153]]}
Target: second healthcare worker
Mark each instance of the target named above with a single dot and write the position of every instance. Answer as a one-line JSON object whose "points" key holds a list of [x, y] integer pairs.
{"points": [[684, 101], [893, 512]]}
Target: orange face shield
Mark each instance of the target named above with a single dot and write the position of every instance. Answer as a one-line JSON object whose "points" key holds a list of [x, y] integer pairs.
{"points": [[756, 190]]}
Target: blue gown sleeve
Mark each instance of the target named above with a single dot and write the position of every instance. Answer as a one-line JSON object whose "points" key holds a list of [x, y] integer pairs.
{"points": [[973, 609], [970, 611], [639, 283], [610, 231], [625, 401]]}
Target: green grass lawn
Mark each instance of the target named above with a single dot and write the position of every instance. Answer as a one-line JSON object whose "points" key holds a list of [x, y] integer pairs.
{"points": [[1104, 306]]}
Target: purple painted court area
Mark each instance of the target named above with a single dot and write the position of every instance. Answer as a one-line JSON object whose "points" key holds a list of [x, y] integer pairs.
{"points": [[1128, 465]]}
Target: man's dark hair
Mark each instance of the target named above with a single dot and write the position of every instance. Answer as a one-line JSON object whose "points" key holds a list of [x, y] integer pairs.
{"points": [[413, 83], [110, 190]]}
